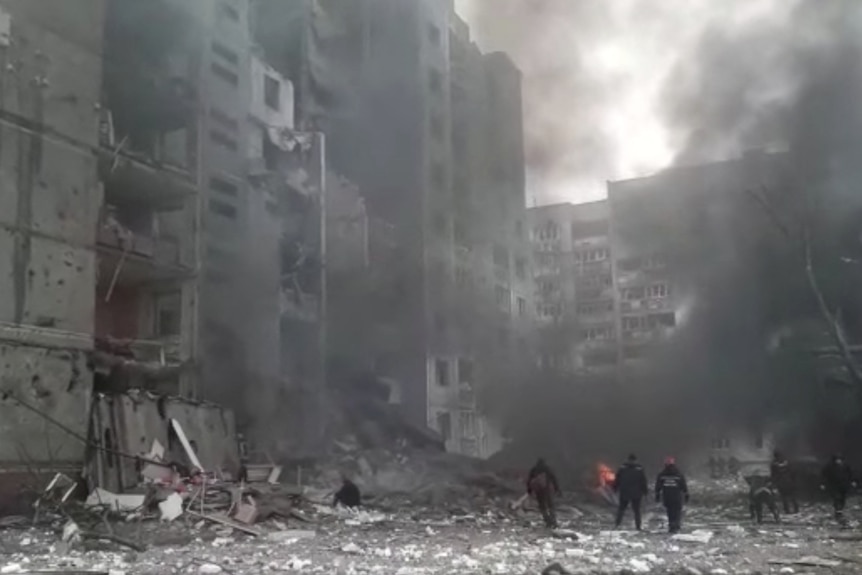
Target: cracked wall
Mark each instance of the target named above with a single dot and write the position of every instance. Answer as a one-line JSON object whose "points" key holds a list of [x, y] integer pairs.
{"points": [[50, 80]]}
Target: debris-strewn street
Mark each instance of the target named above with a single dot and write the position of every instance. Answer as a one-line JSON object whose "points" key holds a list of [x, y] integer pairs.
{"points": [[395, 535]]}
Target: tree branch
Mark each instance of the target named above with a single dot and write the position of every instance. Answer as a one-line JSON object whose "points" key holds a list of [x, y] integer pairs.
{"points": [[835, 330]]}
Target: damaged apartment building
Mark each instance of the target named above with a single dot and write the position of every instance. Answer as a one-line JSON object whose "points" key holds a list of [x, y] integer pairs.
{"points": [[99, 167], [608, 273], [429, 130], [135, 217]]}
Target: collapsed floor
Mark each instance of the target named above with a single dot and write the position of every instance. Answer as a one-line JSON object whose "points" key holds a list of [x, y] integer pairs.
{"points": [[449, 527]]}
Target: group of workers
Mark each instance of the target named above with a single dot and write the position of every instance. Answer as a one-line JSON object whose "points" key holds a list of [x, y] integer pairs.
{"points": [[631, 486], [630, 483], [836, 480]]}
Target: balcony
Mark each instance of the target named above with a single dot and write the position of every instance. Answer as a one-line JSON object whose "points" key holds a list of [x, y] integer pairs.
{"points": [[593, 268], [135, 258], [163, 351]]}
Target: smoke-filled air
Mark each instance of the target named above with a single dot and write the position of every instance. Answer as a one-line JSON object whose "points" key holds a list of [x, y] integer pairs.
{"points": [[430, 286]]}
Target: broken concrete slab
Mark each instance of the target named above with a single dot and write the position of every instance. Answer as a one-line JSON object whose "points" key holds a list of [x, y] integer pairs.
{"points": [[158, 473], [697, 536], [291, 534], [116, 502], [246, 513]]}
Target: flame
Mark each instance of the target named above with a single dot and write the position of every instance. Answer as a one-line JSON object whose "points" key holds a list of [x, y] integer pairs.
{"points": [[606, 475]]}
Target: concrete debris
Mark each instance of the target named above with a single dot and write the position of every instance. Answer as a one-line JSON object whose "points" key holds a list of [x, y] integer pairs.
{"points": [[209, 568], [290, 535], [71, 532], [698, 536], [102, 497], [352, 548], [171, 507], [12, 568], [246, 513]]}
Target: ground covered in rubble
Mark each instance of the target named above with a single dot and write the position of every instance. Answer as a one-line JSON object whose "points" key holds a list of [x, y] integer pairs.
{"points": [[397, 536]]}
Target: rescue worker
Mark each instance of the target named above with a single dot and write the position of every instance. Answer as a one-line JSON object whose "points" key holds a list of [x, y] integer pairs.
{"points": [[348, 495], [837, 482], [542, 484], [783, 478], [671, 490], [630, 483], [761, 493]]}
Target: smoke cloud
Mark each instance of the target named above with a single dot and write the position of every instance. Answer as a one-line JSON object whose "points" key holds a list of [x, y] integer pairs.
{"points": [[623, 88]]}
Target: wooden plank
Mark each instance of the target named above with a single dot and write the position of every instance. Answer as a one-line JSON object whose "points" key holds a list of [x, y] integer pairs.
{"points": [[228, 522]]}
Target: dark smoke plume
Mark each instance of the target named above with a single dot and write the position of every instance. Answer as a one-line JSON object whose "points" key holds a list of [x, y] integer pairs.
{"points": [[786, 76]]}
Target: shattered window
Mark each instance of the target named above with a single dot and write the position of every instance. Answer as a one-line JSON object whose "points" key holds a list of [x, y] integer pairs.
{"points": [[272, 93], [167, 314], [222, 209], [441, 370], [444, 425], [522, 306], [226, 53], [465, 370], [521, 269]]}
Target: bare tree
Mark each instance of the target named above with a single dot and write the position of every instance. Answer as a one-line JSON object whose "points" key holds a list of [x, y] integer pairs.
{"points": [[797, 229]]}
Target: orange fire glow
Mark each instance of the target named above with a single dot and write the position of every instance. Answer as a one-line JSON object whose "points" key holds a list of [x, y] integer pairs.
{"points": [[606, 475]]}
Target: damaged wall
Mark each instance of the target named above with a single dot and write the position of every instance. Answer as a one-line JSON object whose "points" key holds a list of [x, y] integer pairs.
{"points": [[50, 78], [131, 422]]}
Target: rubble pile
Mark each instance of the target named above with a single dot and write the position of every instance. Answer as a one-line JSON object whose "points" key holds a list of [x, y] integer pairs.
{"points": [[417, 539]]}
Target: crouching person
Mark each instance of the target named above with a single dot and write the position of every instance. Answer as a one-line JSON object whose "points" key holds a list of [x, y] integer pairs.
{"points": [[761, 493], [348, 495]]}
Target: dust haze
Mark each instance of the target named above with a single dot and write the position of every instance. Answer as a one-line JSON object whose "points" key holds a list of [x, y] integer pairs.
{"points": [[625, 88]]}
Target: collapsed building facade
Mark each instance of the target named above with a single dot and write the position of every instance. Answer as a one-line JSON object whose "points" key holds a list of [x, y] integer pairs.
{"points": [[429, 129]]}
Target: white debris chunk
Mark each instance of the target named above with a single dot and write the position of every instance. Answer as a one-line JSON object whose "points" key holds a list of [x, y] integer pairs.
{"points": [[71, 532], [172, 507], [209, 568], [640, 566], [352, 548], [697, 536], [290, 535], [12, 568]]}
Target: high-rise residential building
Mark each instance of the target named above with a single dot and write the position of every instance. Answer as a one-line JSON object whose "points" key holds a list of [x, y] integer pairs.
{"points": [[575, 298], [100, 211], [438, 154], [615, 277]]}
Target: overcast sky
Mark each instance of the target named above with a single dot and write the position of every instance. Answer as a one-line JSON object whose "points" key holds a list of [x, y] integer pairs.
{"points": [[612, 87]]}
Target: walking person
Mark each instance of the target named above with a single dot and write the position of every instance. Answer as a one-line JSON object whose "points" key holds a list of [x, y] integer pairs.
{"points": [[630, 483], [837, 482], [672, 491], [783, 478], [542, 484]]}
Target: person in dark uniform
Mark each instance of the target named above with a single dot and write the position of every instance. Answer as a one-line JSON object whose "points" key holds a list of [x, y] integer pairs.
{"points": [[542, 484], [761, 493], [631, 485], [837, 482], [783, 478], [671, 490], [348, 495]]}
